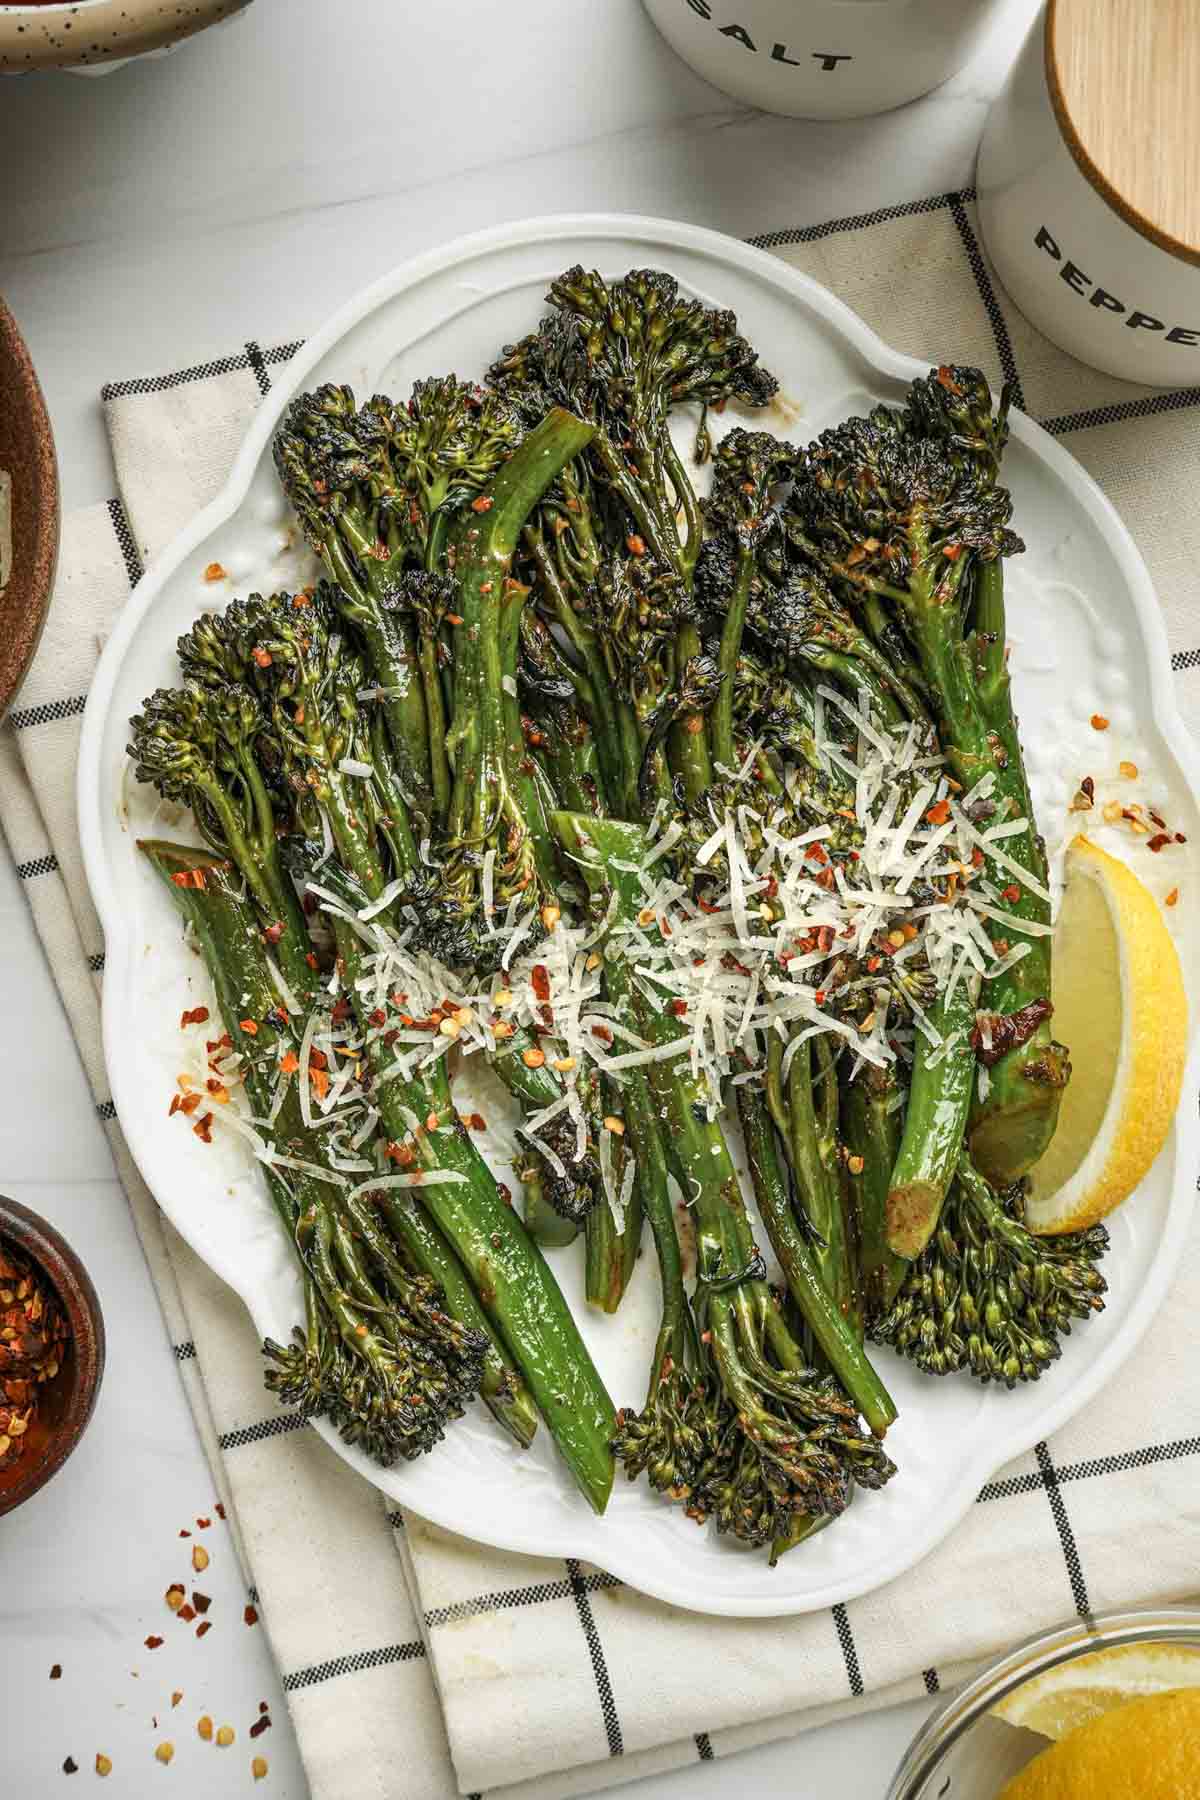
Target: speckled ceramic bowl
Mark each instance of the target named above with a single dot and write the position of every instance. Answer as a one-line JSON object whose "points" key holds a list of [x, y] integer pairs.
{"points": [[29, 514], [65, 1401], [68, 34]]}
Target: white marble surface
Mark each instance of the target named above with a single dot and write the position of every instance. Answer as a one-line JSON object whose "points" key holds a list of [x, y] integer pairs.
{"points": [[241, 189]]}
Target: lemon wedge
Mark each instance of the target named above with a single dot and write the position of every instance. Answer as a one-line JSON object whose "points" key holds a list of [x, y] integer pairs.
{"points": [[1147, 1749], [1075, 1692], [1120, 1007]]}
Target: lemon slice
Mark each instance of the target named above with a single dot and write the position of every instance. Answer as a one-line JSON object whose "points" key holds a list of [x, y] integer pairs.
{"points": [[1147, 1749], [1120, 1007], [1075, 1692]]}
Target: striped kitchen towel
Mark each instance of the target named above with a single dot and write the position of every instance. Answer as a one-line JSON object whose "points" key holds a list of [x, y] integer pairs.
{"points": [[479, 1671]]}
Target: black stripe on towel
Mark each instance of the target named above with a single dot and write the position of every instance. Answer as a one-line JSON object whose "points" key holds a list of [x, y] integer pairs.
{"points": [[1066, 1536], [126, 542], [184, 1352], [849, 1651], [1121, 1464], [96, 963], [1121, 411], [987, 294], [812, 234], [353, 1665], [608, 1706], [266, 1428], [506, 1599], [47, 714], [106, 1110], [41, 865], [930, 1678], [704, 1749]]}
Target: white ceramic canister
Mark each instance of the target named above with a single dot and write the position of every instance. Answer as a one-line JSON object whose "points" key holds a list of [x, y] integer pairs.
{"points": [[824, 59], [1089, 185]]}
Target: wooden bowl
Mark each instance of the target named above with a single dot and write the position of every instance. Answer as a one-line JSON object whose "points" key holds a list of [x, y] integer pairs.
{"points": [[27, 461], [65, 1402], [74, 34]]}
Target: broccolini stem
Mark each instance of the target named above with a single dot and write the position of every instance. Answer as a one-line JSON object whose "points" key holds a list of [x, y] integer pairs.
{"points": [[815, 1169], [870, 1123], [939, 1097], [842, 1349]]}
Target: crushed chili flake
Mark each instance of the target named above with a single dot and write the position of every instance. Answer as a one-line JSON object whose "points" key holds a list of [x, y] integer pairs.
{"points": [[938, 813], [201, 1602], [274, 932], [1011, 893], [249, 1026], [152, 1642], [250, 1615], [1172, 897], [174, 1595], [197, 1016], [603, 1033], [219, 1509], [185, 1534], [203, 1128], [289, 1062], [56, 1671], [177, 1696], [1099, 722], [214, 572], [320, 1082], [260, 1725], [262, 657], [70, 1766], [186, 1613], [203, 1626], [482, 503], [1159, 841]]}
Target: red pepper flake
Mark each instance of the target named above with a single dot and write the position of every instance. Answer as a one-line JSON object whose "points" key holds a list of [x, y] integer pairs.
{"points": [[635, 543], [706, 906], [378, 1016], [185, 1534], [219, 1509], [817, 853], [203, 1128], [320, 1082], [203, 1626], [603, 1033], [174, 1106], [70, 1766], [977, 857], [260, 1725], [1172, 898], [311, 960], [482, 503], [539, 981], [250, 1615], [289, 1062], [201, 1602], [318, 1060], [189, 1103], [56, 1671], [341, 1012], [273, 933], [454, 618], [679, 1008], [262, 657], [152, 1642], [938, 813], [214, 572], [1180, 838], [1159, 841], [404, 1154], [952, 552], [186, 1613], [819, 997], [197, 1016], [249, 1026], [1099, 722], [1011, 893]]}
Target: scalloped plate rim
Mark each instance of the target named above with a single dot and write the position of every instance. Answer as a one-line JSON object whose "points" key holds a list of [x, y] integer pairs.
{"points": [[588, 1538]]}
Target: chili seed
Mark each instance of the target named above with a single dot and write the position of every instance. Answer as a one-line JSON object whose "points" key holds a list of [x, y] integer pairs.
{"points": [[1172, 897], [204, 1726], [200, 1558], [1111, 812], [1099, 722], [103, 1763], [1129, 770], [164, 1752], [258, 1767], [225, 1736]]}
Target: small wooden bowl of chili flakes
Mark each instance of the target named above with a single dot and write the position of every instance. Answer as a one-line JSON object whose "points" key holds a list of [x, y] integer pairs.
{"points": [[51, 1352]]}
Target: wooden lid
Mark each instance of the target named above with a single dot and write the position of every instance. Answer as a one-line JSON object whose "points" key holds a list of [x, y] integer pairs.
{"points": [[1124, 79]]}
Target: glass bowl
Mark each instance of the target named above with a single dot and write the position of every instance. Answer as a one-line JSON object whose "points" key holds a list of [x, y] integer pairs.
{"points": [[963, 1753]]}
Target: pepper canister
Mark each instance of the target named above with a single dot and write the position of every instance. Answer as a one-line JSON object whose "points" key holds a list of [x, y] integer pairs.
{"points": [[824, 59], [1089, 185]]}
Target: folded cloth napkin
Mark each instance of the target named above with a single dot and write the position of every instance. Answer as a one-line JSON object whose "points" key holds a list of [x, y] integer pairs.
{"points": [[480, 1671]]}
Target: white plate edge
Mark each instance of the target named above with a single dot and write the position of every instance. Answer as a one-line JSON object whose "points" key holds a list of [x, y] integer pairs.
{"points": [[886, 360]]}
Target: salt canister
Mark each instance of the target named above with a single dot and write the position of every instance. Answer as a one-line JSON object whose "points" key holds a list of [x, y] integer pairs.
{"points": [[824, 59], [1089, 185]]}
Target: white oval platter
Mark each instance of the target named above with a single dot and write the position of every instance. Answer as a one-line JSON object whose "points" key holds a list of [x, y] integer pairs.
{"points": [[1086, 635]]}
